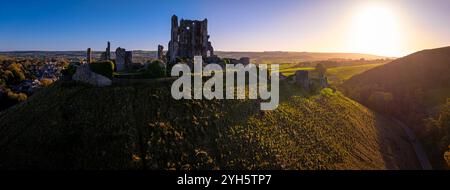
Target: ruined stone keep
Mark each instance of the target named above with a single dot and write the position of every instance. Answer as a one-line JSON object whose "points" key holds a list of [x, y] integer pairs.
{"points": [[88, 55], [189, 38], [107, 54], [160, 52], [124, 59], [302, 79]]}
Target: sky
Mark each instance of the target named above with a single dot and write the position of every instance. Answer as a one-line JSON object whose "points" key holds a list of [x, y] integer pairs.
{"points": [[390, 28]]}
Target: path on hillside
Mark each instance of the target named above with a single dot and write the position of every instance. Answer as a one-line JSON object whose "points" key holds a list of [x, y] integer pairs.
{"points": [[418, 149]]}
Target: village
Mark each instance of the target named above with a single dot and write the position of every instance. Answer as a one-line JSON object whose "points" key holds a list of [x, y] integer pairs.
{"points": [[44, 75]]}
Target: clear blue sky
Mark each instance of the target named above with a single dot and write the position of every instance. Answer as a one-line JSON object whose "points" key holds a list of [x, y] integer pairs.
{"points": [[240, 25]]}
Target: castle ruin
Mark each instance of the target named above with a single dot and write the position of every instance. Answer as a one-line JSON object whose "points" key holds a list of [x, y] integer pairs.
{"points": [[302, 79], [161, 52], [123, 59], [89, 55], [107, 54], [189, 38]]}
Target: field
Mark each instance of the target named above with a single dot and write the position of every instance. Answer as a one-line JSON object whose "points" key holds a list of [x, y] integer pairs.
{"points": [[288, 70], [336, 75]]}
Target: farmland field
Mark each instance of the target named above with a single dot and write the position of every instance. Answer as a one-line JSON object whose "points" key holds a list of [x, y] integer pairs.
{"points": [[336, 75]]}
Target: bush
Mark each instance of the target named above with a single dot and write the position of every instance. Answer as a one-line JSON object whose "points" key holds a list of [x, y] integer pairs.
{"points": [[15, 74], [381, 101], [322, 70], [15, 97], [46, 82], [105, 68], [436, 137], [155, 69], [70, 70], [447, 157]]}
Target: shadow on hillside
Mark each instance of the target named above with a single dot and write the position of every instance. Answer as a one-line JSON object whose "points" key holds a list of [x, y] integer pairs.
{"points": [[76, 126], [397, 152]]}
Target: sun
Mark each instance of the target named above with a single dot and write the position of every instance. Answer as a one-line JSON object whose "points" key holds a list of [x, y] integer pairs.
{"points": [[375, 30]]}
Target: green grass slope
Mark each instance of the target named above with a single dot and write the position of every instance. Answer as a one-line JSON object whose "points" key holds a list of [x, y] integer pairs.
{"points": [[337, 75], [74, 126]]}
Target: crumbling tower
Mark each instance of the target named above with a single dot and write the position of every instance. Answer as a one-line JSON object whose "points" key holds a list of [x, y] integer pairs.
{"points": [[108, 51], [160, 52], [106, 56], [124, 59], [88, 55], [189, 38], [173, 44], [302, 79]]}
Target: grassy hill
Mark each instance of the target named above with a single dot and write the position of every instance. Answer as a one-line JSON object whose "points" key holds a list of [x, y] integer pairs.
{"points": [[415, 89], [75, 126]]}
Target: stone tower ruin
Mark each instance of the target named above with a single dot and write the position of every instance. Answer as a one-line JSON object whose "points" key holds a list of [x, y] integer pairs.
{"points": [[107, 54], [89, 55], [160, 52], [302, 79], [124, 59], [108, 51], [189, 38]]}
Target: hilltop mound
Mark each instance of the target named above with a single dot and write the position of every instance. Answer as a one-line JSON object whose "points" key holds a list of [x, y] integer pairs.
{"points": [[75, 126], [412, 88]]}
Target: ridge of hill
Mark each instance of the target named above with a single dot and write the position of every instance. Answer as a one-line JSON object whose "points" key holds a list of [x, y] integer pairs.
{"points": [[414, 89]]}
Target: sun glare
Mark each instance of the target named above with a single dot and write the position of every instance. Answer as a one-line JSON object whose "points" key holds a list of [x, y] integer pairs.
{"points": [[375, 30]]}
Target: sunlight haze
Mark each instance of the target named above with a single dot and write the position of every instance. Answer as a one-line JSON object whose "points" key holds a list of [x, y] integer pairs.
{"points": [[387, 28]]}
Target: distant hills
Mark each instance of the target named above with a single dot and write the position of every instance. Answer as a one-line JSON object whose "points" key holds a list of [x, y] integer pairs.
{"points": [[415, 89], [74, 126], [256, 57], [294, 57]]}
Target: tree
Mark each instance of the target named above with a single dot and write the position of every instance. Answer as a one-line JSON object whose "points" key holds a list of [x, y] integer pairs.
{"points": [[437, 136], [155, 69], [15, 74], [320, 69], [380, 101], [447, 156], [64, 62], [46, 82], [105, 68], [15, 97]]}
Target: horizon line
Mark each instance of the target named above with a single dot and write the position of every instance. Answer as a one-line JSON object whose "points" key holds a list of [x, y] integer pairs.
{"points": [[233, 51]]}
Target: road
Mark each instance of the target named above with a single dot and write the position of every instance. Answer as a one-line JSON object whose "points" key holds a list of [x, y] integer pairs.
{"points": [[420, 153]]}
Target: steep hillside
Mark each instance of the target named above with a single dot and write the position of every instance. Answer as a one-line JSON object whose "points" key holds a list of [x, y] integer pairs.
{"points": [[412, 88], [75, 126]]}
